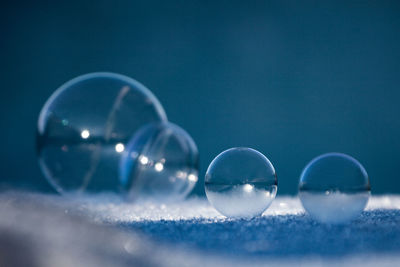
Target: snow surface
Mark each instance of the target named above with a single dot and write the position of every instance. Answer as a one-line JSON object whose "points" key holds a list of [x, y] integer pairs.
{"points": [[48, 230]]}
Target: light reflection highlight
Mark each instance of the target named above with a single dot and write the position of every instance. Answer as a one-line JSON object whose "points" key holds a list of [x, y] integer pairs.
{"points": [[119, 147], [192, 178], [85, 134], [248, 188], [159, 166], [143, 160]]}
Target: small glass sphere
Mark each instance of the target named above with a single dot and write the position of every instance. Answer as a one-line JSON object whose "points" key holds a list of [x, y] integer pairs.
{"points": [[334, 188], [160, 163], [241, 182], [84, 126]]}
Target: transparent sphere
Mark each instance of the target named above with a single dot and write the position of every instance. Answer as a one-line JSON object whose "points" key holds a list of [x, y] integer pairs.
{"points": [[334, 188], [160, 163], [241, 182], [84, 126]]}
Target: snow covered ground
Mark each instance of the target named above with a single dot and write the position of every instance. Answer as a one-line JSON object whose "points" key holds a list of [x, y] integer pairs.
{"points": [[48, 230]]}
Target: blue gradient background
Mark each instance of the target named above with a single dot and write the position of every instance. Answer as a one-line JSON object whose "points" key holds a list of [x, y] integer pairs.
{"points": [[292, 79]]}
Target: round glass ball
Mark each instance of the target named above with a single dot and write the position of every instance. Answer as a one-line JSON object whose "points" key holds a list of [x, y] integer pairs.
{"points": [[160, 164], [241, 182], [334, 188], [84, 126]]}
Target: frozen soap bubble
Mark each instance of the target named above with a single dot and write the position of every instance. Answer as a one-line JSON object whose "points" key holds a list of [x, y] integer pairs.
{"points": [[160, 163], [334, 188], [84, 126], [241, 182]]}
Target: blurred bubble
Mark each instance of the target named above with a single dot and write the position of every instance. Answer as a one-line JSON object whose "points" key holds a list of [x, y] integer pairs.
{"points": [[160, 163], [84, 126]]}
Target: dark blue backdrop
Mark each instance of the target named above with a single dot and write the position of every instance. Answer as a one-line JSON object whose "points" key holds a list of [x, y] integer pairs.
{"points": [[291, 79]]}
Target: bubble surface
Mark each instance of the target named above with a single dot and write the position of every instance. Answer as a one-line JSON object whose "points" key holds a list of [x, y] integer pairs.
{"points": [[84, 126], [334, 188], [241, 182], [160, 163]]}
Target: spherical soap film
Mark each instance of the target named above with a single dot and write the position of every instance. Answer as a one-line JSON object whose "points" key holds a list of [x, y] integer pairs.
{"points": [[84, 126], [241, 182], [160, 163], [334, 188]]}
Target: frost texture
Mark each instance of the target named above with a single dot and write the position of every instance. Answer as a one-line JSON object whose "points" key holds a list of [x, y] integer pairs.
{"points": [[106, 231]]}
